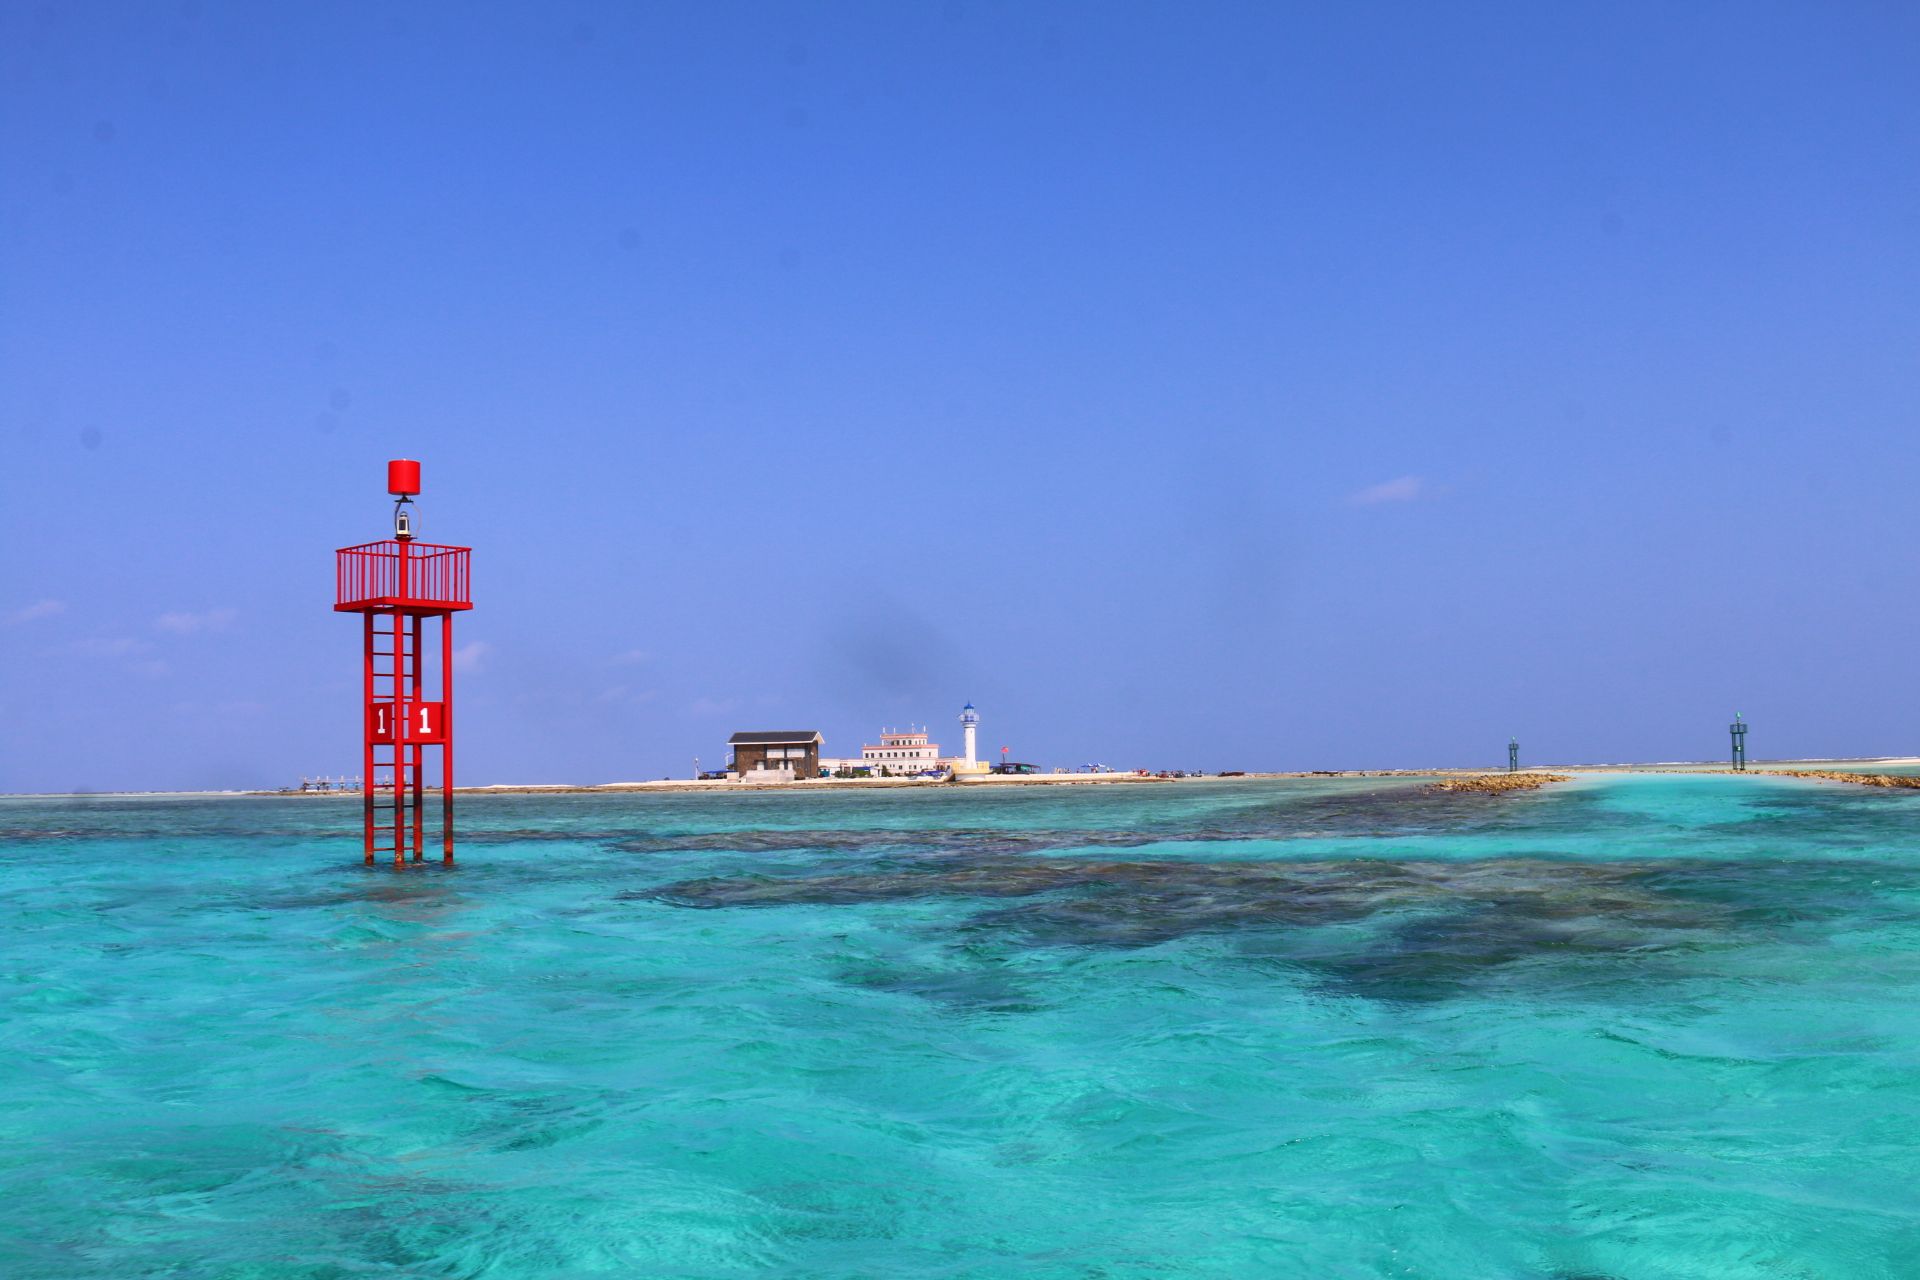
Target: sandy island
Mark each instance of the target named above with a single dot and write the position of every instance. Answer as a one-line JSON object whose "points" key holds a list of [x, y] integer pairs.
{"points": [[1471, 781]]}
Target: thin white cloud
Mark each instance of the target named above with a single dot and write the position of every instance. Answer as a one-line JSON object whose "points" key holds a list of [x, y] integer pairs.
{"points": [[187, 624], [714, 706], [112, 646], [37, 610], [130, 653], [1402, 489], [471, 656], [626, 695], [631, 658]]}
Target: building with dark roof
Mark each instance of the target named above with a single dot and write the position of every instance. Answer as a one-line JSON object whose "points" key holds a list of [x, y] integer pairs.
{"points": [[794, 753]]}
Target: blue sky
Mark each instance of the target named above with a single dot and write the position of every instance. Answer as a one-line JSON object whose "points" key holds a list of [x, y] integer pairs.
{"points": [[1223, 386]]}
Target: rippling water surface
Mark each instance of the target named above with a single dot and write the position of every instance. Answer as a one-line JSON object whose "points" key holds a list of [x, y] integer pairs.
{"points": [[1630, 1028]]}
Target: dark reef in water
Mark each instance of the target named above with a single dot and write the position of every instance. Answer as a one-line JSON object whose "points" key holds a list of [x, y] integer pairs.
{"points": [[1393, 809], [1431, 929], [1398, 926]]}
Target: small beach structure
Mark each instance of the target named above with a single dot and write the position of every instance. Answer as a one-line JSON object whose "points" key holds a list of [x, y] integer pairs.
{"points": [[775, 755]]}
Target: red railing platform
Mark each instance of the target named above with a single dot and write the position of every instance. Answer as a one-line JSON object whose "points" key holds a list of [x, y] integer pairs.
{"points": [[404, 577]]}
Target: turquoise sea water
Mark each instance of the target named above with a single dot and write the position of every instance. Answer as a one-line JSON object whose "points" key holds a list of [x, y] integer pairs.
{"points": [[1630, 1028]]}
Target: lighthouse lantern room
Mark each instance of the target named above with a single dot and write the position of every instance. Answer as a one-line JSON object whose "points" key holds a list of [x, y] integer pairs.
{"points": [[397, 586]]}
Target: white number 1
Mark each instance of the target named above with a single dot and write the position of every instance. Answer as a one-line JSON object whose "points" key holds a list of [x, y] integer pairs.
{"points": [[424, 731]]}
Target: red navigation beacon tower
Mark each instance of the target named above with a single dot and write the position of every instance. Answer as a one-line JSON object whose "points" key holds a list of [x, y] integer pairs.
{"points": [[396, 585]]}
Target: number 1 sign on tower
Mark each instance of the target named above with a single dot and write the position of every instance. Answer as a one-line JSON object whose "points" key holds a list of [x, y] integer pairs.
{"points": [[427, 722]]}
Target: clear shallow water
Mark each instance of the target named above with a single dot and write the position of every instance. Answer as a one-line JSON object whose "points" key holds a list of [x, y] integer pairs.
{"points": [[1631, 1028]]}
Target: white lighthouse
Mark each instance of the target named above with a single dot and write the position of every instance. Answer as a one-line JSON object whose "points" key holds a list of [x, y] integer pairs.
{"points": [[970, 727]]}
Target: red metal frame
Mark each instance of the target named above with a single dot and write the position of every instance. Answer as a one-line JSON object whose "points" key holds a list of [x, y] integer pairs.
{"points": [[397, 587], [417, 577]]}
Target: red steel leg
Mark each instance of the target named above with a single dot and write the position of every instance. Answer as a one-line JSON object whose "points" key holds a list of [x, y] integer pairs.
{"points": [[400, 713], [418, 752], [446, 750], [366, 735]]}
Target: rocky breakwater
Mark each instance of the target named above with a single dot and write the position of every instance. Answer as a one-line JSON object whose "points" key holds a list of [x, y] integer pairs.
{"points": [[1499, 784], [1907, 781]]}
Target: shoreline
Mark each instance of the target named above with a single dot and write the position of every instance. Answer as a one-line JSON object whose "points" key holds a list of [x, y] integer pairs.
{"points": [[1453, 779]]}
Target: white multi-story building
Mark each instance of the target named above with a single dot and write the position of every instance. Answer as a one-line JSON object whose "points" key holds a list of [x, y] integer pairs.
{"points": [[902, 751], [909, 751]]}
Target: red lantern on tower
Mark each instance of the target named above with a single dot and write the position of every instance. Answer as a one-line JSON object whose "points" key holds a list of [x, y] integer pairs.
{"points": [[397, 586]]}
